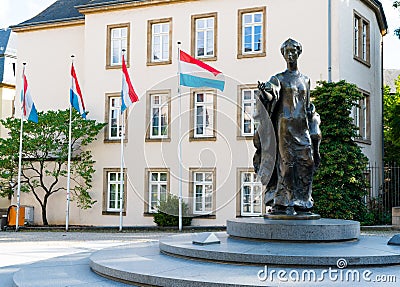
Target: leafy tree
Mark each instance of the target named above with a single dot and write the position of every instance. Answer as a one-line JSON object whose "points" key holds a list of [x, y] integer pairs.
{"points": [[45, 155], [391, 122], [339, 183]]}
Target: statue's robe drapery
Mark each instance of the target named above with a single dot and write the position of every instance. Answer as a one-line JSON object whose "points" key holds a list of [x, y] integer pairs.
{"points": [[287, 141]]}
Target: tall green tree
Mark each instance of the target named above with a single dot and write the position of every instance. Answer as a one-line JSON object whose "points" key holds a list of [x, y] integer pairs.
{"points": [[44, 157], [339, 183], [391, 122]]}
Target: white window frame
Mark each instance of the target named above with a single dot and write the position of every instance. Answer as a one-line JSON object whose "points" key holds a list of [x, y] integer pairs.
{"points": [[244, 114], [117, 184], [208, 41], [204, 185], [162, 108], [253, 185], [253, 24], [114, 113], [364, 40], [356, 25], [207, 117], [163, 36], [361, 37], [158, 184], [122, 41], [361, 118], [360, 115], [355, 114]]}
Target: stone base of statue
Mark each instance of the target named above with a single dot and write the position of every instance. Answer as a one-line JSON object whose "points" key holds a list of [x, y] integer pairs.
{"points": [[244, 255], [297, 229]]}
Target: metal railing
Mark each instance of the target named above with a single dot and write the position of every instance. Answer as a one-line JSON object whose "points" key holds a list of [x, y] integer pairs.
{"points": [[382, 195]]}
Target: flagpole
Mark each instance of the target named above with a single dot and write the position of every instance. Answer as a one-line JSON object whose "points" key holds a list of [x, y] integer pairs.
{"points": [[20, 151], [121, 198], [180, 140], [69, 154], [121, 194]]}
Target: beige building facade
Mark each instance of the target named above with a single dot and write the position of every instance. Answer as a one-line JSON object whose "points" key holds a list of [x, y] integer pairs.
{"points": [[240, 38], [8, 65]]}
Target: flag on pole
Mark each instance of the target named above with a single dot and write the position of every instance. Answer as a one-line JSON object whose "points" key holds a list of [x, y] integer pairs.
{"points": [[128, 94], [197, 74], [28, 107], [76, 94]]}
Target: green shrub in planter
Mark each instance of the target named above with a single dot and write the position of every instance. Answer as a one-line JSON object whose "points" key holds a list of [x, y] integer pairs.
{"points": [[168, 211]]}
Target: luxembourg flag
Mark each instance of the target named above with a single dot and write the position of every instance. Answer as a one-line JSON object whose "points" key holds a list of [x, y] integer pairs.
{"points": [[28, 107], [128, 94], [197, 74], [76, 94]]}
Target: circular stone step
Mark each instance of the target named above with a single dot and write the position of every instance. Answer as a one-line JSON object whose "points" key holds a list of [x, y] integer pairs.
{"points": [[367, 250], [145, 265], [293, 230]]}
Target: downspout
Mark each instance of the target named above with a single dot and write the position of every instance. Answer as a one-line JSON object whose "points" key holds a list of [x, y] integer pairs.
{"points": [[383, 126], [329, 41]]}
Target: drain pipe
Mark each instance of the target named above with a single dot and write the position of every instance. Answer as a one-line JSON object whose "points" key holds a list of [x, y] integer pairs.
{"points": [[382, 119], [329, 41]]}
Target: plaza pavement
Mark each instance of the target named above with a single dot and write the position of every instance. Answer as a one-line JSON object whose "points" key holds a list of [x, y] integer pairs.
{"points": [[52, 259], [63, 255]]}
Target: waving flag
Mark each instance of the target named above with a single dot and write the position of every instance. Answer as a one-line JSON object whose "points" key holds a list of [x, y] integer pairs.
{"points": [[76, 94], [28, 107], [128, 94], [197, 74]]}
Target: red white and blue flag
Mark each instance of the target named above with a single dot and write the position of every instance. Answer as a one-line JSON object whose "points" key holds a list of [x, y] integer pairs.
{"points": [[28, 107], [128, 94], [196, 74], [76, 94]]}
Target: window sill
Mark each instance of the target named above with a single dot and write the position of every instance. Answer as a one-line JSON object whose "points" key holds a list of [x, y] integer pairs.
{"points": [[115, 67], [194, 139], [159, 63], [366, 63], [157, 139], [203, 216], [115, 213], [241, 137], [253, 55], [363, 141], [250, 215], [114, 141], [206, 59], [148, 214]]}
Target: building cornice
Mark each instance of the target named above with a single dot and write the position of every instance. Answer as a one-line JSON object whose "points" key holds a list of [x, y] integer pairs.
{"points": [[48, 25], [377, 7], [111, 6]]}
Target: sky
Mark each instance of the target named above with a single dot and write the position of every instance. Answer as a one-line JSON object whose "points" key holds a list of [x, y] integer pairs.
{"points": [[15, 11]]}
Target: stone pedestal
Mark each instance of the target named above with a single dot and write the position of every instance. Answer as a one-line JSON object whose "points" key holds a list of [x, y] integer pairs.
{"points": [[294, 230], [396, 217]]}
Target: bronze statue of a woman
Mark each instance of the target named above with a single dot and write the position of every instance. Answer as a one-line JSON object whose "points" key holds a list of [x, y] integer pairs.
{"points": [[287, 176]]}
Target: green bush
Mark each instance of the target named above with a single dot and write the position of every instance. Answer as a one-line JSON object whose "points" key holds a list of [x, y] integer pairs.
{"points": [[339, 183], [168, 211]]}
